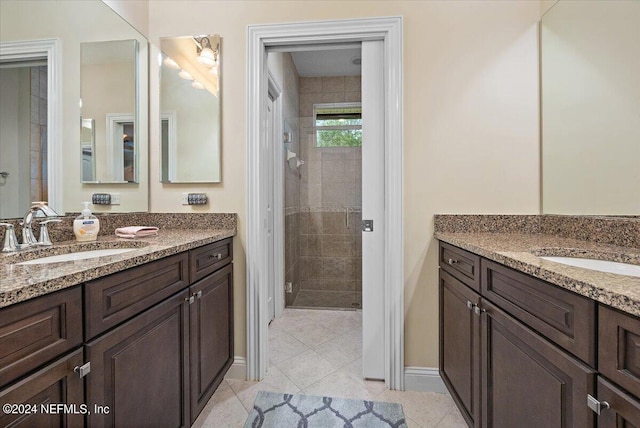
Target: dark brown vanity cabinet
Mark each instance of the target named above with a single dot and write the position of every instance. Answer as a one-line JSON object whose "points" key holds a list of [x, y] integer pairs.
{"points": [[460, 345], [528, 381], [619, 366], [174, 355], [34, 400], [158, 340], [520, 352], [211, 335], [138, 369]]}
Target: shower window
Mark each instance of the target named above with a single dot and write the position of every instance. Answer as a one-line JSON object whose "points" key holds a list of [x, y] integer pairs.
{"points": [[338, 125]]}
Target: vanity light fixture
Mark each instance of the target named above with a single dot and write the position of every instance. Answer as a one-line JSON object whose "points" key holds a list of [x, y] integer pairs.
{"points": [[197, 85], [206, 55], [185, 75]]}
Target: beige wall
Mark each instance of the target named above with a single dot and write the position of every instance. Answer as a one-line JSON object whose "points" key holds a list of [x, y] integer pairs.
{"points": [[470, 123], [136, 12]]}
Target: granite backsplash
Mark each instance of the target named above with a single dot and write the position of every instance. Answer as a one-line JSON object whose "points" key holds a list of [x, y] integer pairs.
{"points": [[621, 231], [109, 222]]}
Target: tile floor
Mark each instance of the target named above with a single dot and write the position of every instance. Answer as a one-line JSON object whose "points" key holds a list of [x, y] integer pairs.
{"points": [[318, 352]]}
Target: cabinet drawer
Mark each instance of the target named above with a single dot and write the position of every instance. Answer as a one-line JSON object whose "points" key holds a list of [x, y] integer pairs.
{"points": [[462, 264], [51, 385], [115, 298], [619, 348], [209, 258], [37, 331], [563, 317]]}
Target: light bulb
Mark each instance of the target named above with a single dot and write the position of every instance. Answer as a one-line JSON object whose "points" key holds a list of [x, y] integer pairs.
{"points": [[185, 75], [214, 70], [197, 84], [207, 57], [171, 63]]}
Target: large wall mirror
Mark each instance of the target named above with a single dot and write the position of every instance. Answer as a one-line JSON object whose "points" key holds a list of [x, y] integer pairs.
{"points": [[190, 109], [108, 104], [590, 63], [95, 59]]}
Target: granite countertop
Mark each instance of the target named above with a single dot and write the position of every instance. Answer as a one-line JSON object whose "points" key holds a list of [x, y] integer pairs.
{"points": [[520, 251], [23, 282]]}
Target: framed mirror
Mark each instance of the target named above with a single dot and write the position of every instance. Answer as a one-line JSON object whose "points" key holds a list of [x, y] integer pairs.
{"points": [[190, 109], [590, 65], [109, 97], [60, 161]]}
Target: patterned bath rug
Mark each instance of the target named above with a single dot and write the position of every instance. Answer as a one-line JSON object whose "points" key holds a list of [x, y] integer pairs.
{"points": [[278, 410]]}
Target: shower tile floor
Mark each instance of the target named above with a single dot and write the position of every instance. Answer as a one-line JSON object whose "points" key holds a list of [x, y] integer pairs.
{"points": [[321, 299], [319, 352]]}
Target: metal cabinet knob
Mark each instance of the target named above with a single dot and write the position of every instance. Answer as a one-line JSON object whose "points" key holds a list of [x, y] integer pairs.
{"points": [[595, 405], [470, 305], [452, 261]]}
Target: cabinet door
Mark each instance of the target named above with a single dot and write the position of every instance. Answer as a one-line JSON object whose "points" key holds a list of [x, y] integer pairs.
{"points": [[459, 345], [528, 381], [619, 348], [140, 369], [211, 338], [624, 410], [54, 384]]}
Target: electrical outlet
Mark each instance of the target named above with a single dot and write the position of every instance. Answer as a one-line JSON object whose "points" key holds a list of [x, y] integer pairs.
{"points": [[288, 287], [115, 199], [185, 199]]}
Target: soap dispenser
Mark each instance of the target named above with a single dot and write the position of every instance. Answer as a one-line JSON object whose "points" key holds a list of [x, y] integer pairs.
{"points": [[86, 226]]}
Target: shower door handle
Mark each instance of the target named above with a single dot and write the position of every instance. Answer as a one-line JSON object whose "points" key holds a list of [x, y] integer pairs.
{"points": [[4, 174]]}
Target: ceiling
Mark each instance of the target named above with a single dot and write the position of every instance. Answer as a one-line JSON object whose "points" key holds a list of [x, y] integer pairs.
{"points": [[336, 62]]}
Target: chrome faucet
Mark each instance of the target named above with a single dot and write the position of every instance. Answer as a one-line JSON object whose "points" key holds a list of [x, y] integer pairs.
{"points": [[27, 232], [10, 240]]}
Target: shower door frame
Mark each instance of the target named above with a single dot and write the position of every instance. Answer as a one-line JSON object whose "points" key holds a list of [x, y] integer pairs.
{"points": [[259, 39]]}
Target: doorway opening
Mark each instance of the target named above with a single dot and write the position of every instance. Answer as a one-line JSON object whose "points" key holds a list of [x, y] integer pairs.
{"points": [[23, 139], [322, 117], [388, 33]]}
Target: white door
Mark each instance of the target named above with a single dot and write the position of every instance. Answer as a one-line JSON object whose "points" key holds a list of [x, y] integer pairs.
{"points": [[373, 181], [269, 152]]}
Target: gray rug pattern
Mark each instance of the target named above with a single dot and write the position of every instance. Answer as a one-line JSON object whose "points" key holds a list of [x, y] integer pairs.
{"points": [[278, 410]]}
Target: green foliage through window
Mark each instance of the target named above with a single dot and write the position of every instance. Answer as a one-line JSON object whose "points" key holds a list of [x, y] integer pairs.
{"points": [[339, 126]]}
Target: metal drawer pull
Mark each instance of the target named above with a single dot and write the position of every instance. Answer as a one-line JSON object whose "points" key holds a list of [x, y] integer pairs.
{"points": [[216, 256], [452, 261], [190, 299], [595, 405], [83, 370], [470, 305], [478, 310], [198, 294]]}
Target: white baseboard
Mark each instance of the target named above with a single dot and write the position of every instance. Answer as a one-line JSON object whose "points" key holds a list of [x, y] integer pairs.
{"points": [[238, 369], [423, 379]]}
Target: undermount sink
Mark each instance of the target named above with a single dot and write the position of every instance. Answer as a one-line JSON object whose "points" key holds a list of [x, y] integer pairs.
{"points": [[80, 255], [599, 265]]}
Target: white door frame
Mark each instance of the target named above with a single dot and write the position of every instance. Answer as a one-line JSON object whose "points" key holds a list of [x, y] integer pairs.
{"points": [[260, 37], [49, 48]]}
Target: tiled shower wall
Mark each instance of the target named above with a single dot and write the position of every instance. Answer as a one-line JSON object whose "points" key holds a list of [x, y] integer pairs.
{"points": [[292, 178], [330, 245], [331, 250]]}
